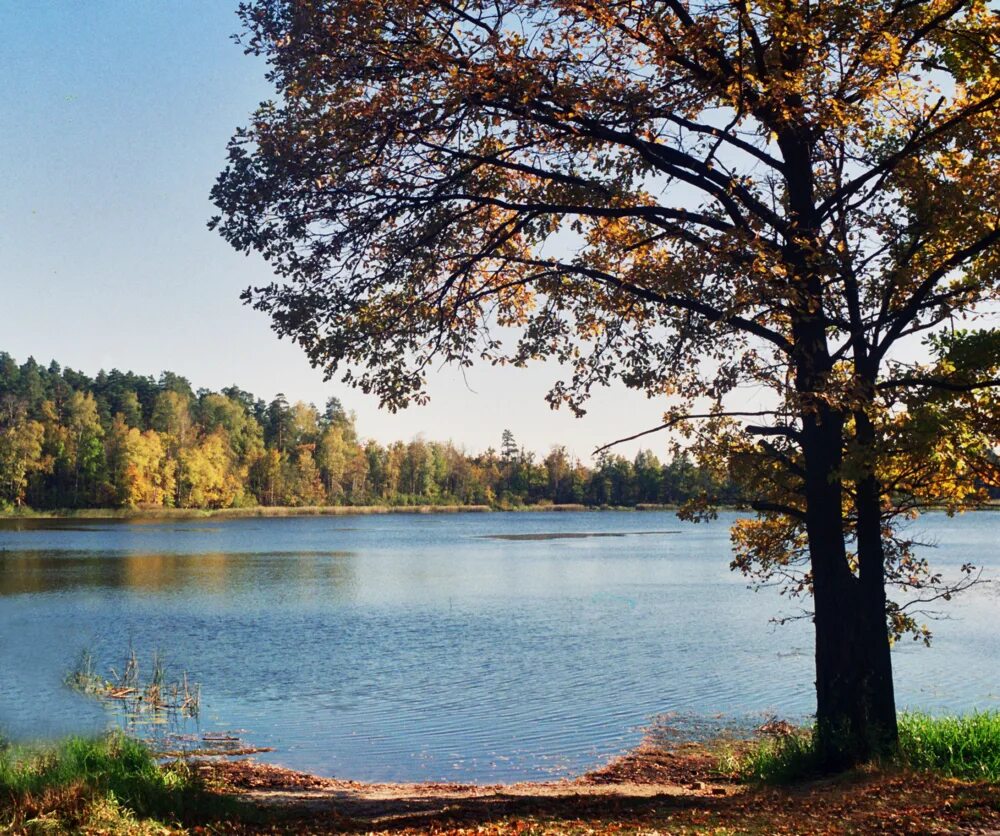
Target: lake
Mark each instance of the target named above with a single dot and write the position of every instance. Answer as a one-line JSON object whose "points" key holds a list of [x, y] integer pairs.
{"points": [[461, 647]]}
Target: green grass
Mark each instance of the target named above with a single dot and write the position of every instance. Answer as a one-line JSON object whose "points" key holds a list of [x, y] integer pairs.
{"points": [[966, 747], [772, 760], [959, 747], [61, 788]]}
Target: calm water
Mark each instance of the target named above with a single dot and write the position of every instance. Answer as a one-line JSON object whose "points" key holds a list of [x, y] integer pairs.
{"points": [[445, 647]]}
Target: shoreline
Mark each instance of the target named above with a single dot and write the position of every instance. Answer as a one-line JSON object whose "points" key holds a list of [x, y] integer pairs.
{"points": [[644, 772], [677, 789], [279, 511], [261, 511]]}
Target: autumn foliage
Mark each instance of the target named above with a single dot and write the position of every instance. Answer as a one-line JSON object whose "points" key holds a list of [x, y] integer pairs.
{"points": [[128, 441], [693, 197]]}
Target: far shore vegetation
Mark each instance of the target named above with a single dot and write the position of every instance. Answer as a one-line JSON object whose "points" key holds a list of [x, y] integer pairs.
{"points": [[122, 445], [70, 443]]}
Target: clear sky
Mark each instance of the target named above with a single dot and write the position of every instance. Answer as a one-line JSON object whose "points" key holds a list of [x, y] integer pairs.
{"points": [[113, 125]]}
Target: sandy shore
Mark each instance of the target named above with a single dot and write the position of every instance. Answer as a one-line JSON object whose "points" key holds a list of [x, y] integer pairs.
{"points": [[647, 791], [643, 774]]}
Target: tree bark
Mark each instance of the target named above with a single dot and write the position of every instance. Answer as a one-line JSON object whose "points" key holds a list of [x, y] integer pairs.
{"points": [[883, 728], [840, 706], [855, 704], [855, 700]]}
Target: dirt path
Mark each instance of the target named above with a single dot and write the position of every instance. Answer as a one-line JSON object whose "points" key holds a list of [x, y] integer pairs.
{"points": [[642, 775], [646, 791]]}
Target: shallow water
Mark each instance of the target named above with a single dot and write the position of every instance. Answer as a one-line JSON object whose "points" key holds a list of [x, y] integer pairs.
{"points": [[475, 647]]}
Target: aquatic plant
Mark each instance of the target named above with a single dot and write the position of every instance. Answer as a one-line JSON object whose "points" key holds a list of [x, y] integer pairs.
{"points": [[157, 696]]}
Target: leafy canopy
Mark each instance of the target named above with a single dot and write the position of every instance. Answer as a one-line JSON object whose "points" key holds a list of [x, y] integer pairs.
{"points": [[687, 196]]}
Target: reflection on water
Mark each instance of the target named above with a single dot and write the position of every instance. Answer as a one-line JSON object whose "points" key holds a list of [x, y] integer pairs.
{"points": [[23, 572], [475, 647]]}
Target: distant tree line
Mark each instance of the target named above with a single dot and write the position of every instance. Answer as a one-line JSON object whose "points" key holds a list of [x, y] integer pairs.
{"points": [[125, 440]]}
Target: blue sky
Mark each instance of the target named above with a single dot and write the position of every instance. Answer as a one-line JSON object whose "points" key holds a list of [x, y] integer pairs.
{"points": [[115, 117]]}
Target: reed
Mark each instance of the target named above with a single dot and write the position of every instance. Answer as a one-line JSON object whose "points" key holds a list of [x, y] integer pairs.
{"points": [[127, 689]]}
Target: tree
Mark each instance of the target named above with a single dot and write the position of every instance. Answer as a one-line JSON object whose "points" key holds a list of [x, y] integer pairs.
{"points": [[356, 474], [378, 459], [84, 451], [130, 408], [305, 485], [205, 477], [510, 463], [396, 454], [139, 470], [648, 476], [265, 477], [279, 424], [211, 451], [20, 450], [744, 192], [172, 416], [508, 446], [331, 456], [30, 382], [170, 382], [557, 467], [416, 475], [304, 424], [231, 415], [458, 482], [334, 414]]}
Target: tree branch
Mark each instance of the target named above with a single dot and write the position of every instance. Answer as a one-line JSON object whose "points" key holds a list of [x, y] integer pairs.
{"points": [[710, 312], [777, 508], [678, 419], [787, 432], [915, 142], [937, 383], [901, 319]]}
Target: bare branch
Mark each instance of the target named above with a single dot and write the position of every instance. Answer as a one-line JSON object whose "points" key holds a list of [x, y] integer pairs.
{"points": [[678, 419]]}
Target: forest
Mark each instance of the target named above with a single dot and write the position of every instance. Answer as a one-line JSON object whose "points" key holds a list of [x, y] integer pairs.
{"points": [[123, 440]]}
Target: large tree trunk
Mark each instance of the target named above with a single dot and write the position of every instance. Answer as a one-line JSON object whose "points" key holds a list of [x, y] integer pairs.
{"points": [[883, 729], [855, 703], [854, 698]]}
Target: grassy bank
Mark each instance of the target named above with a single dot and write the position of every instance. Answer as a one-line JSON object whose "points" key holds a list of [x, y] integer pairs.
{"points": [[966, 747], [108, 785]]}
